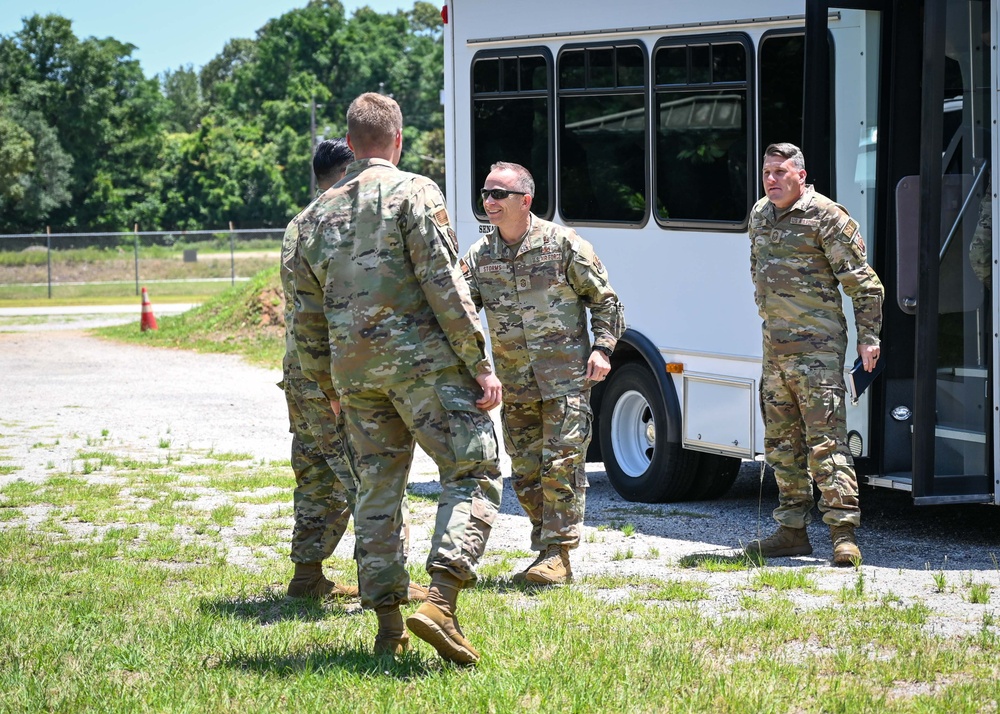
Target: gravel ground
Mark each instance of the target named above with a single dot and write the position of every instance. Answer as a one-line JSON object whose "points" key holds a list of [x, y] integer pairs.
{"points": [[65, 385]]}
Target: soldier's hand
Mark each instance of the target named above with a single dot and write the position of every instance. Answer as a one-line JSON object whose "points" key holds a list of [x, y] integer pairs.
{"points": [[492, 391], [598, 366], [869, 356], [335, 405]]}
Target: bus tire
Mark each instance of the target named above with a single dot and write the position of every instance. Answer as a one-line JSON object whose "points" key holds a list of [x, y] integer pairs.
{"points": [[642, 465], [715, 475]]}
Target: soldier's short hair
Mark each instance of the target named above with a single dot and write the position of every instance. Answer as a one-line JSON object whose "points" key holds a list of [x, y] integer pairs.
{"points": [[524, 180], [787, 151], [373, 121], [330, 158]]}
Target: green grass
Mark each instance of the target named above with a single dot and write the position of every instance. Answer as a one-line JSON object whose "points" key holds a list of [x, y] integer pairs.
{"points": [[229, 323], [138, 603], [132, 595]]}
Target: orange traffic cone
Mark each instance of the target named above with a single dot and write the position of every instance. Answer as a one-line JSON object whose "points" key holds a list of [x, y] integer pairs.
{"points": [[148, 318]]}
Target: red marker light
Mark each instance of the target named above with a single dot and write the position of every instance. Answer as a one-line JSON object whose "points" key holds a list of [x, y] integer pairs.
{"points": [[444, 14]]}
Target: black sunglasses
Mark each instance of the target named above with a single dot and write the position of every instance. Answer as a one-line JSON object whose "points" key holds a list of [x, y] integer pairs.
{"points": [[499, 194]]}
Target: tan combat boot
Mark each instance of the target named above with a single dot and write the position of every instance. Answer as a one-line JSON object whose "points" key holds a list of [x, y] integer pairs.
{"points": [[435, 623], [523, 575], [309, 581], [782, 543], [392, 638], [553, 569], [417, 593], [845, 546]]}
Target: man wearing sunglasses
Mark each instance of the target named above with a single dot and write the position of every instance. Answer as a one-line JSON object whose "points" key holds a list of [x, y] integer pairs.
{"points": [[384, 323], [537, 280]]}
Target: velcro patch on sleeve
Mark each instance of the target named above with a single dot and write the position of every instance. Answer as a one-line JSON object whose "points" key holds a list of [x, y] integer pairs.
{"points": [[441, 217]]}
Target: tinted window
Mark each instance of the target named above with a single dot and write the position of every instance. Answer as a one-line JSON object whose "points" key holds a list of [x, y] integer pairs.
{"points": [[602, 134], [511, 122], [702, 132]]}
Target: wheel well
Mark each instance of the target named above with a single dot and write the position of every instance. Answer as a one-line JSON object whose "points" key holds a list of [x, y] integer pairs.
{"points": [[634, 347]]}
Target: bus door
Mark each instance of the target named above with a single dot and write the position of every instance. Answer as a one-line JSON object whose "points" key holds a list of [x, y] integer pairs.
{"points": [[928, 198], [953, 404]]}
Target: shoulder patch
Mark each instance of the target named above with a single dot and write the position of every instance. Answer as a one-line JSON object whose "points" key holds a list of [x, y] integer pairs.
{"points": [[465, 267], [441, 217], [598, 264], [850, 228]]}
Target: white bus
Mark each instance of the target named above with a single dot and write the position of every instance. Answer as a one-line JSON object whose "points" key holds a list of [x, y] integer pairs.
{"points": [[643, 124]]}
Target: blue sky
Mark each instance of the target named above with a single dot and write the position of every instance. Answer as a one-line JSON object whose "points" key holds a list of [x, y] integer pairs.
{"points": [[173, 33]]}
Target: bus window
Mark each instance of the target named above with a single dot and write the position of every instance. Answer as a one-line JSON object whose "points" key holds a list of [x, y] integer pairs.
{"points": [[602, 134], [702, 131], [782, 59], [511, 120]]}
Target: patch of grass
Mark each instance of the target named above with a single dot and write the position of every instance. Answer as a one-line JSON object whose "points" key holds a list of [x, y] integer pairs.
{"points": [[679, 591], [226, 515], [979, 593], [227, 456], [717, 563], [7, 469], [230, 322], [783, 579]]}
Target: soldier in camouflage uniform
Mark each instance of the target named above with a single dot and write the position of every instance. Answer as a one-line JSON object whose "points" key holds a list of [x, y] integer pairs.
{"points": [[384, 323], [803, 247], [323, 478], [536, 281], [325, 487]]}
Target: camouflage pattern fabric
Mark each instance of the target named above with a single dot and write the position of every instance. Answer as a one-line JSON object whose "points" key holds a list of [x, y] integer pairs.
{"points": [[981, 248], [805, 434], [324, 482], [798, 260], [384, 321], [379, 297], [321, 498], [536, 297], [547, 441], [437, 410]]}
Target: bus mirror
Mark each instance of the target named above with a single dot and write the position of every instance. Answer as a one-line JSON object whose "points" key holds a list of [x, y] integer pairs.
{"points": [[907, 237]]}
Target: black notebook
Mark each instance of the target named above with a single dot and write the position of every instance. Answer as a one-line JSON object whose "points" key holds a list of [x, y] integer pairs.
{"points": [[858, 379]]}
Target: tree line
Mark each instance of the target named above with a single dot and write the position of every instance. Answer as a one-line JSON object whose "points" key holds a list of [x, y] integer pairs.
{"points": [[88, 143]]}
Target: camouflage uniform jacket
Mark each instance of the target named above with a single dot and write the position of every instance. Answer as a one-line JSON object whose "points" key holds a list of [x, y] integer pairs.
{"points": [[291, 369], [797, 261], [378, 290], [536, 297]]}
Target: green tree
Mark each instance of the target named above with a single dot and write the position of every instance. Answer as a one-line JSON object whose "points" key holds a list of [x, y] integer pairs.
{"points": [[224, 172], [41, 186], [106, 114], [184, 104]]}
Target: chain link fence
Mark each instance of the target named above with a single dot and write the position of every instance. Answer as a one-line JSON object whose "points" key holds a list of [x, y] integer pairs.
{"points": [[192, 264]]}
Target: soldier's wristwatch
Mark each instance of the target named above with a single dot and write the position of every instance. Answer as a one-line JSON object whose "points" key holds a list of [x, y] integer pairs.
{"points": [[606, 351]]}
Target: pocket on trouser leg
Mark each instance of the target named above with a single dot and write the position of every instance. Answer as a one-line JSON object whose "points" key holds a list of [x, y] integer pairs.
{"points": [[575, 434], [469, 431]]}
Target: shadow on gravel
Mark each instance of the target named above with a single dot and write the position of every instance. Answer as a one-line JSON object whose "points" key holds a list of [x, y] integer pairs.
{"points": [[894, 532]]}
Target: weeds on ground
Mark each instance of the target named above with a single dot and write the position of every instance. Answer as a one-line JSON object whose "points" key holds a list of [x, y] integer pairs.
{"points": [[144, 598]]}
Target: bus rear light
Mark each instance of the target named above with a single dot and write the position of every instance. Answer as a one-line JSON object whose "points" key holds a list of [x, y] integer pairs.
{"points": [[444, 14], [675, 368]]}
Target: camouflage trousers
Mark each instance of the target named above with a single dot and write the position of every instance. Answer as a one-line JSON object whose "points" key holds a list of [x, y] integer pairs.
{"points": [[437, 411], [324, 481], [547, 441], [805, 438]]}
